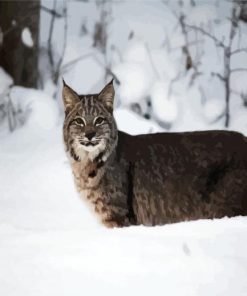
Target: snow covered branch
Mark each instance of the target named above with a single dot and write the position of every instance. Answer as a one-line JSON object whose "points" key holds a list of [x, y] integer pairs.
{"points": [[239, 70], [239, 50], [57, 71], [50, 50], [208, 34], [56, 66], [228, 52]]}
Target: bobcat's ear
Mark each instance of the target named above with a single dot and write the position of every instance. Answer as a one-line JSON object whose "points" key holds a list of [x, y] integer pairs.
{"points": [[107, 95], [70, 98]]}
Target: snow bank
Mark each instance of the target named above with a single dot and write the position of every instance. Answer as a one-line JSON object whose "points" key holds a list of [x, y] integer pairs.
{"points": [[51, 244], [213, 109], [135, 82], [5, 81], [134, 124], [42, 109], [239, 82], [202, 15], [164, 107]]}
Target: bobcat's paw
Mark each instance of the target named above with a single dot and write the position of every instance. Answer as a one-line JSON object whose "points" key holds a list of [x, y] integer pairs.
{"points": [[112, 223]]}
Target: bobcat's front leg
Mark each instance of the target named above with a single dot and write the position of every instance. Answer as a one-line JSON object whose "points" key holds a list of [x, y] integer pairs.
{"points": [[112, 215]]}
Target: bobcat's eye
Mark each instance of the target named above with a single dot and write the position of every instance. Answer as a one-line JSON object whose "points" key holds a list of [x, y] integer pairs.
{"points": [[99, 120], [80, 121]]}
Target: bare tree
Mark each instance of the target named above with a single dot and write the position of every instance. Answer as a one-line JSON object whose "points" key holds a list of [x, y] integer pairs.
{"points": [[228, 52], [190, 63], [100, 34], [56, 65]]}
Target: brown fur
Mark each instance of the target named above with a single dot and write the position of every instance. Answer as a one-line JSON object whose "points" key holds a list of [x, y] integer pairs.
{"points": [[157, 178]]}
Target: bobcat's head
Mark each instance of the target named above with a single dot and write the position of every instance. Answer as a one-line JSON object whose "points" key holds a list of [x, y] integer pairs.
{"points": [[89, 125]]}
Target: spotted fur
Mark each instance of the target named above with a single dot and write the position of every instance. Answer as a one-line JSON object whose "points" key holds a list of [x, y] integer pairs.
{"points": [[151, 179]]}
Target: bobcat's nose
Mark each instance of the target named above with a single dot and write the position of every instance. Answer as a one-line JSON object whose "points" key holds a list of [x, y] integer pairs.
{"points": [[90, 135]]}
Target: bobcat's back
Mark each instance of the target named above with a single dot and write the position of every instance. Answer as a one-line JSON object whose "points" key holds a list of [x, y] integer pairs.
{"points": [[185, 176]]}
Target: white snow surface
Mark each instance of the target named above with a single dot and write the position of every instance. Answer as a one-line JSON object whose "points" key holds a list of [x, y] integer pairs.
{"points": [[135, 82], [5, 81], [52, 244], [43, 110], [164, 107], [213, 109], [133, 124]]}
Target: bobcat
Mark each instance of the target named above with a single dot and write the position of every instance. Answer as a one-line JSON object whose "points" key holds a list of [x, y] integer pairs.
{"points": [[151, 179]]}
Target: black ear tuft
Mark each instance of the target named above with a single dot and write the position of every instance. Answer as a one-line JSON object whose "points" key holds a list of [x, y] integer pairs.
{"points": [[111, 82], [64, 83]]}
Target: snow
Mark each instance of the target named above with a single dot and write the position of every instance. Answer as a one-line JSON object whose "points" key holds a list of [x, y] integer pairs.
{"points": [[164, 107], [43, 110], [239, 82], [5, 81], [134, 124], [202, 15], [51, 244], [135, 82], [26, 37], [144, 48], [213, 109]]}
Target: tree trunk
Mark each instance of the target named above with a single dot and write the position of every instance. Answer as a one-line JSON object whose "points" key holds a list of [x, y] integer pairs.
{"points": [[17, 56]]}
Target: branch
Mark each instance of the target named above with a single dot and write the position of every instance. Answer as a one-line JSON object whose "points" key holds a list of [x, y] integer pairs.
{"points": [[173, 81], [71, 63], [218, 42], [239, 70], [107, 69], [53, 12], [56, 75], [221, 77], [239, 50], [50, 54]]}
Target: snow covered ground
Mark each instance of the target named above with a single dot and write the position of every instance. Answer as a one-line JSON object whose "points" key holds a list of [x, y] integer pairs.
{"points": [[51, 244]]}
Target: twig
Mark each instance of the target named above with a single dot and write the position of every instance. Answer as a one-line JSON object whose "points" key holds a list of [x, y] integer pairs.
{"points": [[74, 61], [64, 45], [219, 76], [227, 54], [212, 37], [239, 70], [51, 11], [107, 69], [239, 50], [50, 51], [227, 62], [173, 81]]}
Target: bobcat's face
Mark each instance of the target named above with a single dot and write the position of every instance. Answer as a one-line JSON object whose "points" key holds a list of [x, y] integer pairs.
{"points": [[89, 126]]}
